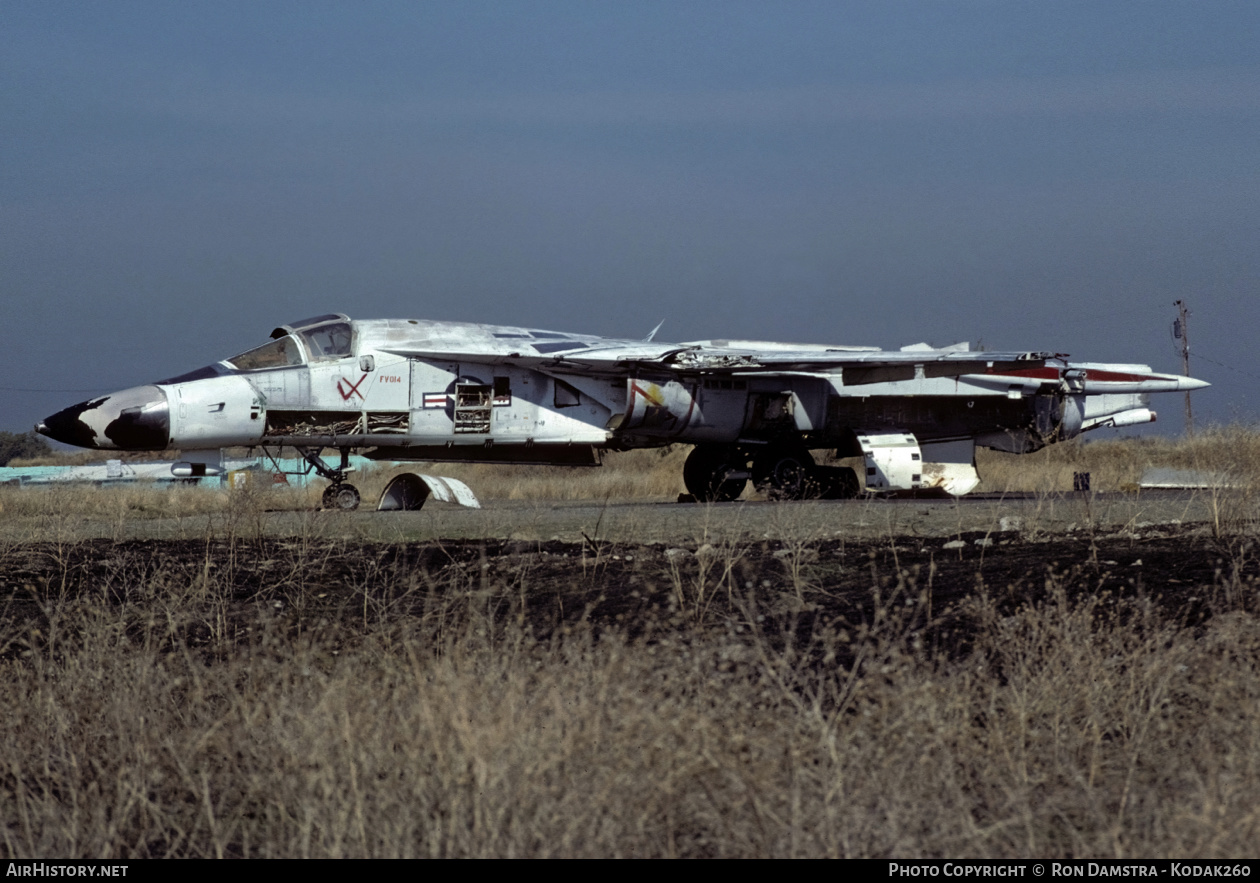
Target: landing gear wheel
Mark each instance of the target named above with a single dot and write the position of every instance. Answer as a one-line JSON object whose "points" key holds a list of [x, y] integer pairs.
{"points": [[786, 473], [341, 496], [837, 482], [715, 473]]}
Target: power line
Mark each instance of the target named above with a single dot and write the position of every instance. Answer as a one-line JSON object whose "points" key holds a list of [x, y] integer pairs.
{"points": [[24, 389], [1204, 358]]}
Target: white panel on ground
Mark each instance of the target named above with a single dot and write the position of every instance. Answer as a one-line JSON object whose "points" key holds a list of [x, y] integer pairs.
{"points": [[407, 492], [451, 490], [951, 466], [1159, 477], [893, 461]]}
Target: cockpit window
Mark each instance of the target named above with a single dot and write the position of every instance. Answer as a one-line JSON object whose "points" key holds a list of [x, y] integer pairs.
{"points": [[282, 353], [331, 341], [315, 320]]}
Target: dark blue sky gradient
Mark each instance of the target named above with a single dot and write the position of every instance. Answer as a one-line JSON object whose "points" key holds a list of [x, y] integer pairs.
{"points": [[177, 179]]}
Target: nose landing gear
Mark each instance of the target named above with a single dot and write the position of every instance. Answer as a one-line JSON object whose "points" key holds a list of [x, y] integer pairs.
{"points": [[340, 494]]}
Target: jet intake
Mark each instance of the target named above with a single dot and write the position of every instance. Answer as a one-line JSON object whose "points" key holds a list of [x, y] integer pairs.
{"points": [[661, 409]]}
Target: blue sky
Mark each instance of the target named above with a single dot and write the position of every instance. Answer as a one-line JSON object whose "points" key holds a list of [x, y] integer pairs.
{"points": [[177, 179]]}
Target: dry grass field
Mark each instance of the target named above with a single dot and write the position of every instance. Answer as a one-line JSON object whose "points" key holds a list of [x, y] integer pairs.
{"points": [[238, 693], [656, 474]]}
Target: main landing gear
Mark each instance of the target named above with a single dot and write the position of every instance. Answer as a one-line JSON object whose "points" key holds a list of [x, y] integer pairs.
{"points": [[716, 473], [340, 494], [782, 470]]}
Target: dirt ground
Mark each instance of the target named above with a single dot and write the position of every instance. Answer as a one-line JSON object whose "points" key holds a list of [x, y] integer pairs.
{"points": [[1044, 675], [798, 583], [1030, 515], [873, 518]]}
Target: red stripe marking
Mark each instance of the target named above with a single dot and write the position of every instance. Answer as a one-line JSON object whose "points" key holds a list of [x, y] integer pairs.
{"points": [[1035, 373], [1117, 377]]}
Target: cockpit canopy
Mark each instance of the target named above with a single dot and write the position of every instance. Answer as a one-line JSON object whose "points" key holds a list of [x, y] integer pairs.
{"points": [[302, 324], [331, 340], [322, 338], [282, 353]]}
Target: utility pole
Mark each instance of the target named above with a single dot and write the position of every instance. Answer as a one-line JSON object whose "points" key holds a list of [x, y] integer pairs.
{"points": [[1181, 332]]}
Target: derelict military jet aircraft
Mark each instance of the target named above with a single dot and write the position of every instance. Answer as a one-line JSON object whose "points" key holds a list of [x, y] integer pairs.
{"points": [[407, 389]]}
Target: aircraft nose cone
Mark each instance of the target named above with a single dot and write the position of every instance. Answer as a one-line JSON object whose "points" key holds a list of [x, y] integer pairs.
{"points": [[66, 427], [136, 419]]}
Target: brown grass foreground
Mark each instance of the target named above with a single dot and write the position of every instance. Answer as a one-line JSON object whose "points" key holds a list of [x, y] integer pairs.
{"points": [[241, 696], [472, 708]]}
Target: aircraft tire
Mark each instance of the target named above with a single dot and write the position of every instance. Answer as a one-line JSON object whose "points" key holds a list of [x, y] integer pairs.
{"points": [[341, 496], [787, 472], [707, 473], [838, 482]]}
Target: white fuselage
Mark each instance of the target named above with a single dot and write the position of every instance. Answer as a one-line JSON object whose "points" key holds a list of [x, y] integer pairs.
{"points": [[429, 390]]}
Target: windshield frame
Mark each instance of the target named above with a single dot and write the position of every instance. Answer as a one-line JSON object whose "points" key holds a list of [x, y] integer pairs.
{"points": [[283, 352], [328, 341]]}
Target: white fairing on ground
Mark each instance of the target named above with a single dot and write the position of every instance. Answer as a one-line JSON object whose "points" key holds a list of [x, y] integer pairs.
{"points": [[951, 467], [409, 491], [893, 461]]}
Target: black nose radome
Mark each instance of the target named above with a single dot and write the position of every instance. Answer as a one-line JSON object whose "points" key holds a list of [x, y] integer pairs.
{"points": [[66, 426], [136, 419]]}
